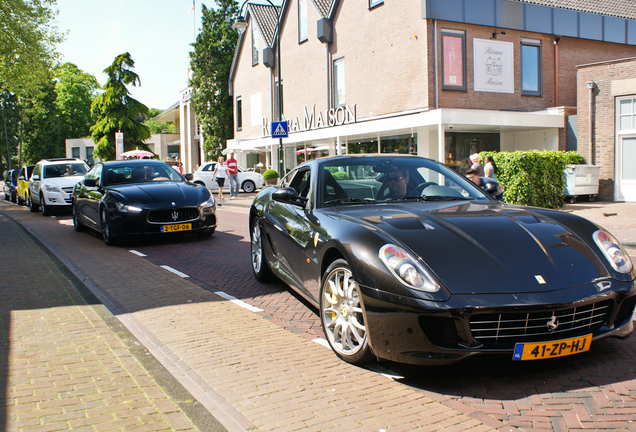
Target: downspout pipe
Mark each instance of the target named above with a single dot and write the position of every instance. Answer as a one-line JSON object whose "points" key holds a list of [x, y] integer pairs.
{"points": [[556, 72], [435, 60], [590, 88]]}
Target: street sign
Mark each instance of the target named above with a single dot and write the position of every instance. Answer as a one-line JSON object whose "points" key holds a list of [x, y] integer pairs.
{"points": [[119, 144], [280, 129]]}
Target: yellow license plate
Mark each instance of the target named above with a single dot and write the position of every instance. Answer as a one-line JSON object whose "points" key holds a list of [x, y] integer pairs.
{"points": [[175, 228], [559, 348]]}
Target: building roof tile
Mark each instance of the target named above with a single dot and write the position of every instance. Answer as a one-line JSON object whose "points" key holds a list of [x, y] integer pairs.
{"points": [[616, 8], [266, 17], [324, 7]]}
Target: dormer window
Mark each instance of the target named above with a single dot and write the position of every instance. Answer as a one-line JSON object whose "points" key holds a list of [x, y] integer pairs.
{"points": [[254, 43]]}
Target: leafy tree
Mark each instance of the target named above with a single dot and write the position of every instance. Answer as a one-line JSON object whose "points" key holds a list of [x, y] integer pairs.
{"points": [[75, 91], [26, 44], [9, 129], [40, 130], [114, 110], [211, 62], [158, 127]]}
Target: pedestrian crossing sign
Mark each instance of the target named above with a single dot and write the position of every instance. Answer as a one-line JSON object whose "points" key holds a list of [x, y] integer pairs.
{"points": [[280, 129]]}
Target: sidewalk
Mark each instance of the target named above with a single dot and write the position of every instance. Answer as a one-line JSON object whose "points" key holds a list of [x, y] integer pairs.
{"points": [[619, 218], [67, 363]]}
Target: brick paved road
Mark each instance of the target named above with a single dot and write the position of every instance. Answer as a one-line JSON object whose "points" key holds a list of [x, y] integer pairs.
{"points": [[65, 363], [267, 378]]}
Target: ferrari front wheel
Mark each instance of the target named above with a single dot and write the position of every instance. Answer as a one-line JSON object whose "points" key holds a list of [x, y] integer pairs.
{"points": [[342, 316]]}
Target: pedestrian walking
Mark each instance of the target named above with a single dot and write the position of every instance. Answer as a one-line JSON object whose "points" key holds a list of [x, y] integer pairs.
{"points": [[232, 173], [490, 169], [474, 158], [219, 175]]}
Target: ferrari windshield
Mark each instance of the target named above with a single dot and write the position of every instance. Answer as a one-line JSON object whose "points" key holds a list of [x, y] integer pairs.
{"points": [[140, 173], [370, 179]]}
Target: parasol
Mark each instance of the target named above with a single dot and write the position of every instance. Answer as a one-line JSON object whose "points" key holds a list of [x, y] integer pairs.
{"points": [[137, 154]]}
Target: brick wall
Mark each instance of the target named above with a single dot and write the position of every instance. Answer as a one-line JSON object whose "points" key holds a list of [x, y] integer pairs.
{"points": [[603, 117]]}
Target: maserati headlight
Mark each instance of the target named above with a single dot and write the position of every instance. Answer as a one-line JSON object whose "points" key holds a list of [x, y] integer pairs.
{"points": [[52, 188], [407, 269], [207, 206], [613, 250], [125, 208]]}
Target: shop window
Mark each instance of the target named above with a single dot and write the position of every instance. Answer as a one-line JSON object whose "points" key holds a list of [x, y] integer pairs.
{"points": [[627, 114], [453, 60], [531, 67], [254, 43], [374, 3], [403, 144], [302, 20], [173, 151], [363, 147], [239, 113], [339, 82]]}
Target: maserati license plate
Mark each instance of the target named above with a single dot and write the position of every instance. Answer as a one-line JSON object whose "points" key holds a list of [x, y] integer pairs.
{"points": [[559, 348], [176, 227]]}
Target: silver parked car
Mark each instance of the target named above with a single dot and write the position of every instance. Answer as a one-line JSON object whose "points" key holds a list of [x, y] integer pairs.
{"points": [[249, 181]]}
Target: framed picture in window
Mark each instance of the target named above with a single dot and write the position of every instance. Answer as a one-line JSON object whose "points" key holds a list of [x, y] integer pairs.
{"points": [[453, 60]]}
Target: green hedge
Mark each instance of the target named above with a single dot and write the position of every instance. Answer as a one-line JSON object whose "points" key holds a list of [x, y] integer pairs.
{"points": [[533, 178]]}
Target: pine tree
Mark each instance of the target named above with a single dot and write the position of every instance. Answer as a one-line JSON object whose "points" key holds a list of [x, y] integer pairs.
{"points": [[114, 110]]}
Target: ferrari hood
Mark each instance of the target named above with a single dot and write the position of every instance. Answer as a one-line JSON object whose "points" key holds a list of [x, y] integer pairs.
{"points": [[159, 194], [488, 248]]}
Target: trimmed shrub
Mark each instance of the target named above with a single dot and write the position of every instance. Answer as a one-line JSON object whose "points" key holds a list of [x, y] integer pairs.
{"points": [[270, 174], [533, 178], [340, 175]]}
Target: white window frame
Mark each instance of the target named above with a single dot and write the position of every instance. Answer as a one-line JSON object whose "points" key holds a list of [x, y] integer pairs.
{"points": [[302, 21], [254, 43], [339, 82]]}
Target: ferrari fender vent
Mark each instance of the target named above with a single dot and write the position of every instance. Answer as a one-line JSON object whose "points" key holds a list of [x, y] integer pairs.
{"points": [[626, 311], [181, 214], [440, 331], [503, 330]]}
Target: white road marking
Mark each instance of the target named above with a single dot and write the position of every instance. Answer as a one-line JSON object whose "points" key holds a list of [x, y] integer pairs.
{"points": [[177, 272], [237, 302], [137, 253]]}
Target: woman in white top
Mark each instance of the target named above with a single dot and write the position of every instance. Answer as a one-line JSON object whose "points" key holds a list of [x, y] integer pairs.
{"points": [[219, 175]]}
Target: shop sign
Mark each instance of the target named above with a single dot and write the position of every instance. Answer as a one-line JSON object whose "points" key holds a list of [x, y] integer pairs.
{"points": [[318, 120], [493, 66]]}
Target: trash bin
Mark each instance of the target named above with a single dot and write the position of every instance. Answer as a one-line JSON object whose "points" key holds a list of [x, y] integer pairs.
{"points": [[581, 180]]}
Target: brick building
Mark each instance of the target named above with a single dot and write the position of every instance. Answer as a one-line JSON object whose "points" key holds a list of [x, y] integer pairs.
{"points": [[608, 137], [438, 78]]}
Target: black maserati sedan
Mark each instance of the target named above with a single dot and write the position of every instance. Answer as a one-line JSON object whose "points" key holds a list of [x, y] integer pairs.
{"points": [[131, 197], [409, 261]]}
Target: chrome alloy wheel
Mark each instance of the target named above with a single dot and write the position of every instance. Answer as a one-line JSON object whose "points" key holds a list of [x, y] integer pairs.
{"points": [[342, 315], [257, 248]]}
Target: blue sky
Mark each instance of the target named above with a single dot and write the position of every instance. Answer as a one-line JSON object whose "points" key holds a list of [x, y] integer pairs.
{"points": [[156, 33]]}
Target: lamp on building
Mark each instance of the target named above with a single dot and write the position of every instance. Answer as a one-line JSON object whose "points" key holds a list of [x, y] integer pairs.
{"points": [[240, 24]]}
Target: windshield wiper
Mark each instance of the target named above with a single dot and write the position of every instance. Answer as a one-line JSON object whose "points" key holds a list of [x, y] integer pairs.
{"points": [[430, 198], [350, 200]]}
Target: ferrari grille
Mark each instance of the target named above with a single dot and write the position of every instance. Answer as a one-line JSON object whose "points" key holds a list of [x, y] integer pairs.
{"points": [[182, 214], [503, 330]]}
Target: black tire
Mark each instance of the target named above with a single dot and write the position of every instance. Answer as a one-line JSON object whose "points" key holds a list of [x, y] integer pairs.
{"points": [[7, 197], [77, 225], [14, 198], [107, 233], [46, 211], [32, 206], [592, 198], [20, 200], [572, 199], [342, 315], [260, 266], [248, 186]]}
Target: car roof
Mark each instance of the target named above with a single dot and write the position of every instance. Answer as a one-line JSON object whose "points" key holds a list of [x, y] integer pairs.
{"points": [[58, 160]]}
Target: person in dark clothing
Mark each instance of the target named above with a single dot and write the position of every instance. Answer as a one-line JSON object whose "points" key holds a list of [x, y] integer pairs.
{"points": [[487, 184]]}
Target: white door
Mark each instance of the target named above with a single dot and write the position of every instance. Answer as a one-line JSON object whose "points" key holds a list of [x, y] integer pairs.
{"points": [[626, 173]]}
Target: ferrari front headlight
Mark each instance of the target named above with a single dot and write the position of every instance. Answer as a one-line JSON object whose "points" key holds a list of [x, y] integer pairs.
{"points": [[407, 269], [613, 251]]}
